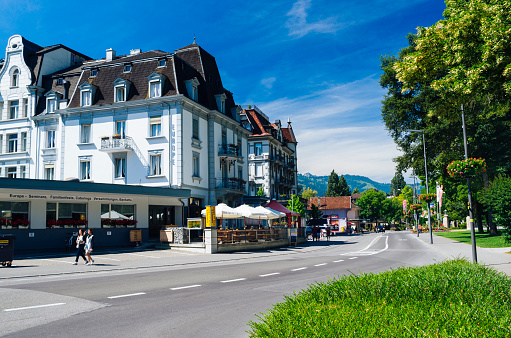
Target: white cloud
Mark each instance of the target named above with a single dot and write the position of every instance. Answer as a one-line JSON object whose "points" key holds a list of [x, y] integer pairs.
{"points": [[298, 25], [340, 128], [268, 82]]}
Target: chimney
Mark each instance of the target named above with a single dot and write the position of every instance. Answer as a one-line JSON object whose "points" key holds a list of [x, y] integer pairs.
{"points": [[135, 51], [110, 54]]}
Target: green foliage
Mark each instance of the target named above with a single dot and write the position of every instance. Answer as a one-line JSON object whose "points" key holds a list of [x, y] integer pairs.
{"points": [[355, 191], [333, 185], [397, 183], [308, 193], [497, 197], [449, 299], [261, 192], [320, 183], [294, 204], [344, 188], [371, 204], [392, 210], [315, 212], [483, 240]]}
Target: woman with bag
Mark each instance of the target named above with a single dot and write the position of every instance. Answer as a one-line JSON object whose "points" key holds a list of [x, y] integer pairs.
{"points": [[80, 245], [89, 245]]}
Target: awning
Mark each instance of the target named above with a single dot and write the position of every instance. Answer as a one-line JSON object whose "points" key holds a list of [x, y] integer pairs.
{"points": [[279, 207]]}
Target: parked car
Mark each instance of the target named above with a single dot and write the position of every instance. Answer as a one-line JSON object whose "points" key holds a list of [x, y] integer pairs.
{"points": [[380, 228]]}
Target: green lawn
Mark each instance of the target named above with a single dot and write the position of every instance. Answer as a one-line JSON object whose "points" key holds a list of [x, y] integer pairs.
{"points": [[483, 240], [448, 299]]}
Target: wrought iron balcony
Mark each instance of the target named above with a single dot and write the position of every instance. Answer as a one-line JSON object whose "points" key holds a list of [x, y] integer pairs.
{"points": [[112, 144], [229, 150], [231, 184]]}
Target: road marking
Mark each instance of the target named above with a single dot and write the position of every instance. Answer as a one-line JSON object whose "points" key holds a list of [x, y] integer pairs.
{"points": [[185, 287], [353, 257], [134, 254], [270, 274], [55, 260], [33, 307], [129, 295], [232, 280], [340, 260], [370, 253], [299, 269], [320, 264]]}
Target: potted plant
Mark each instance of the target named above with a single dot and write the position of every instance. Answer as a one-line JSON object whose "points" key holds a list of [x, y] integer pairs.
{"points": [[467, 168]]}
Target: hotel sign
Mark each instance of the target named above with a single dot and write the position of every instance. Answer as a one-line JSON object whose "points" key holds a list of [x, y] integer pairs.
{"points": [[65, 197]]}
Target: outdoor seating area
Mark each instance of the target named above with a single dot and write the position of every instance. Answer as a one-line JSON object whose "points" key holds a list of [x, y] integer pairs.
{"points": [[253, 235]]}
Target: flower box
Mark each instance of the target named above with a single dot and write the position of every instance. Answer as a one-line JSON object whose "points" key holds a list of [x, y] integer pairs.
{"points": [[467, 168]]}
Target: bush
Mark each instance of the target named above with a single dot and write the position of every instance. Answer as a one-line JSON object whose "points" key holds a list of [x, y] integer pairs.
{"points": [[449, 299]]}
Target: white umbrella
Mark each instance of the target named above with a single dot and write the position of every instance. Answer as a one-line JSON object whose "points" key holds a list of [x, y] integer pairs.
{"points": [[224, 211], [280, 214], [269, 214], [250, 212]]}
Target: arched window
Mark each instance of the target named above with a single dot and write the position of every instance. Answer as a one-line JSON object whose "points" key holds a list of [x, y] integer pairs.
{"points": [[15, 78]]}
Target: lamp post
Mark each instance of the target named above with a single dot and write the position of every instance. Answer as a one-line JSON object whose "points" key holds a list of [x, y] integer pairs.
{"points": [[470, 214], [427, 183]]}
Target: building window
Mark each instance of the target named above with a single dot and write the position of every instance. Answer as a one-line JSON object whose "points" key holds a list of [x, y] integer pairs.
{"points": [[51, 105], [161, 63], [50, 139], [85, 133], [127, 68], [155, 165], [86, 98], [258, 149], [1, 145], [14, 109], [11, 172], [259, 170], [60, 215], [25, 108], [120, 167], [1, 110], [120, 94], [195, 133], [120, 128], [22, 171], [117, 215], [196, 165], [85, 170], [12, 140], [14, 213], [93, 72], [155, 125], [23, 141], [60, 81], [49, 172], [154, 89], [15, 78]]}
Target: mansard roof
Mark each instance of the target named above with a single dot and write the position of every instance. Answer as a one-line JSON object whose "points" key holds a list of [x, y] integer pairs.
{"points": [[262, 127]]}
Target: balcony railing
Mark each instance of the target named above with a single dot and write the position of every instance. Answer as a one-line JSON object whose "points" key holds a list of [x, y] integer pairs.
{"points": [[229, 150], [115, 143], [231, 183]]}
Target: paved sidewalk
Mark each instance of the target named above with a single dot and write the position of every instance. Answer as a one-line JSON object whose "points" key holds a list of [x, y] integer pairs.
{"points": [[494, 257]]}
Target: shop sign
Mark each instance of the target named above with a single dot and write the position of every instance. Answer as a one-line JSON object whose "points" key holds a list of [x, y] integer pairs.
{"points": [[61, 197]]}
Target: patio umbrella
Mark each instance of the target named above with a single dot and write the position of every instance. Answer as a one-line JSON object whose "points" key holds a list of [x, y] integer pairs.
{"points": [[280, 214], [249, 212], [222, 211], [269, 214]]}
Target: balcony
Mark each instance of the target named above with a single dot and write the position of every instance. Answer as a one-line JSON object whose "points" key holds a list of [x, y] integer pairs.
{"points": [[114, 144], [235, 185], [229, 151]]}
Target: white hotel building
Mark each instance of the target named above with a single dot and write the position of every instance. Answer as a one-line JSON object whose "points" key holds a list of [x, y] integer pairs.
{"points": [[152, 119]]}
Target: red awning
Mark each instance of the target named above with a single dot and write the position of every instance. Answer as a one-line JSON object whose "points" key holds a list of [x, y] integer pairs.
{"points": [[279, 207]]}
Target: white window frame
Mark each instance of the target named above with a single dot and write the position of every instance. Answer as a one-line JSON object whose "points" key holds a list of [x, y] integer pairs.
{"points": [[85, 98], [49, 172], [162, 63], [14, 109], [120, 90], [24, 113], [256, 147], [9, 171], [50, 139], [15, 78], [51, 105], [85, 135], [127, 68], [155, 126], [195, 129], [259, 170], [85, 169], [120, 167], [23, 141], [120, 128], [196, 164], [23, 171], [155, 161], [12, 143], [154, 88]]}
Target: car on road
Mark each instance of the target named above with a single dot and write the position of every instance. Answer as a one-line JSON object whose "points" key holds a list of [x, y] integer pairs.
{"points": [[380, 228]]}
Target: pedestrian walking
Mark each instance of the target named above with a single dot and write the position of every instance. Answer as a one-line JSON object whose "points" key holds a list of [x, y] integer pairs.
{"points": [[80, 246], [89, 246], [328, 230]]}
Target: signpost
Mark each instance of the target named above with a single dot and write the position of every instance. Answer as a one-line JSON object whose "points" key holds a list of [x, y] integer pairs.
{"points": [[210, 216]]}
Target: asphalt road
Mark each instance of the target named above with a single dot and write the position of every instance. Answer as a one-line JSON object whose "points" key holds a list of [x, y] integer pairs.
{"points": [[206, 299]]}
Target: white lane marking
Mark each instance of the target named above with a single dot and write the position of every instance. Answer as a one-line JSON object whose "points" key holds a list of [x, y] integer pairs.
{"points": [[185, 287], [270, 274], [33, 307], [129, 295], [182, 253], [353, 257], [134, 254], [320, 264], [340, 260], [55, 260], [232, 280], [111, 259], [299, 269], [370, 253]]}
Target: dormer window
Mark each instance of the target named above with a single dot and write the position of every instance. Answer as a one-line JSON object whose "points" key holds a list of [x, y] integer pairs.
{"points": [[121, 89], [60, 81], [93, 72], [51, 101], [156, 82], [220, 102], [127, 68], [192, 86], [161, 63], [15, 78], [86, 94]]}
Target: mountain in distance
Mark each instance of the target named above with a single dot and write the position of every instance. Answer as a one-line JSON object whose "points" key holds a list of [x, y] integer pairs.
{"points": [[320, 183]]}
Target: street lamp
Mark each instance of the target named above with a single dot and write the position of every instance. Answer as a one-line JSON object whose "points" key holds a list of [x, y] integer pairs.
{"points": [[427, 183]]}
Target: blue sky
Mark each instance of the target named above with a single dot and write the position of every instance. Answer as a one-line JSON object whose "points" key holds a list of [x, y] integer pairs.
{"points": [[315, 62]]}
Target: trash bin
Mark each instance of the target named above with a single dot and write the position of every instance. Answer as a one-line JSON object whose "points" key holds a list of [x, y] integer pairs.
{"points": [[6, 249]]}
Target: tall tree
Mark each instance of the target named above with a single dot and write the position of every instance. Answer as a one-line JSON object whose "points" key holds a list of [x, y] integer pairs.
{"points": [[294, 204], [315, 213], [308, 193], [333, 185], [343, 187], [371, 204], [397, 184]]}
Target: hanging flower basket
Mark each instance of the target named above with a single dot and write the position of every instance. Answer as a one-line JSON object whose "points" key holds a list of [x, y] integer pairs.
{"points": [[416, 207], [467, 168], [428, 198]]}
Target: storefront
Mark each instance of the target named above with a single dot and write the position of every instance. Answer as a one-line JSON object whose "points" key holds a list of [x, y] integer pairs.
{"points": [[43, 214]]}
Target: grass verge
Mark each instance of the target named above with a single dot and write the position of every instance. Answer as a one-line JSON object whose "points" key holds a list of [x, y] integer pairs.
{"points": [[483, 240], [449, 299]]}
